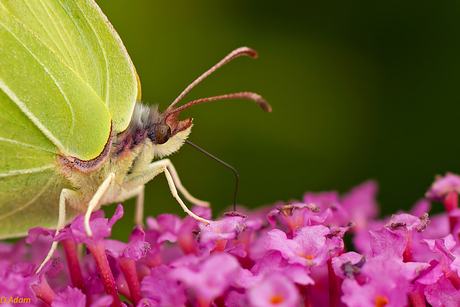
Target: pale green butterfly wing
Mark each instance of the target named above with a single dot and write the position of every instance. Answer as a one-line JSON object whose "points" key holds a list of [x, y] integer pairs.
{"points": [[82, 37], [31, 202], [29, 182], [55, 99], [65, 75]]}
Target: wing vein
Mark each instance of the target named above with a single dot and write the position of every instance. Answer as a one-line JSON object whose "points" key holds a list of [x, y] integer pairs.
{"points": [[107, 81], [29, 203], [79, 61], [27, 171], [51, 19], [29, 114], [25, 145], [21, 105], [38, 20]]}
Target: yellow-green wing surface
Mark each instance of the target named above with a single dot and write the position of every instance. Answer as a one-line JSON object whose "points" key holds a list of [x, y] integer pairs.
{"points": [[63, 64], [64, 77], [53, 97], [30, 184], [81, 36]]}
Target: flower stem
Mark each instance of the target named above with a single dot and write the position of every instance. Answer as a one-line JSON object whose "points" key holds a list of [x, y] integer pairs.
{"points": [[334, 285], [451, 203], [306, 294], [43, 290], [202, 302], [187, 244], [416, 296], [153, 259], [102, 263], [408, 255], [128, 266], [70, 249], [220, 246]]}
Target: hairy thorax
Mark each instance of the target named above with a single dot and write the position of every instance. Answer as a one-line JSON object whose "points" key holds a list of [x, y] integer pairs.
{"points": [[127, 155]]}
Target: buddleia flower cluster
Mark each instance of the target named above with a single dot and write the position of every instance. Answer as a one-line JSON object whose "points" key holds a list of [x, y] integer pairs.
{"points": [[284, 255]]}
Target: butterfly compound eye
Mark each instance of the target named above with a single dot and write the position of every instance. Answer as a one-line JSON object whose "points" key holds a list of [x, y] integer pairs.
{"points": [[163, 133]]}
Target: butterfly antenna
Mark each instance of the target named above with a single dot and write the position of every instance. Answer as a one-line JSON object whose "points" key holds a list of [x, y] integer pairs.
{"points": [[234, 54], [222, 162], [246, 95]]}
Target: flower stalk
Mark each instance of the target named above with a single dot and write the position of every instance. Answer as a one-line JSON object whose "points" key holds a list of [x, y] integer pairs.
{"points": [[288, 254], [102, 263], [70, 249]]}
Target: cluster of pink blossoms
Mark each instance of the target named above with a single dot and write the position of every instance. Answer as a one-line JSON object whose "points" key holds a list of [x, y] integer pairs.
{"points": [[283, 255]]}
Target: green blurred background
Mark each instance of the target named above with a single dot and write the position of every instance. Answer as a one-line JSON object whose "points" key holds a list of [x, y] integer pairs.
{"points": [[359, 90]]}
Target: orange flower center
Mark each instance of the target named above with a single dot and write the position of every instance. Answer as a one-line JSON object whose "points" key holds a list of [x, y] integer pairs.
{"points": [[276, 299], [381, 301]]}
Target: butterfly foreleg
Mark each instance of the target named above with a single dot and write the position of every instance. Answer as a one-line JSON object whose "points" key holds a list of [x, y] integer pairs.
{"points": [[139, 178], [66, 195], [95, 201]]}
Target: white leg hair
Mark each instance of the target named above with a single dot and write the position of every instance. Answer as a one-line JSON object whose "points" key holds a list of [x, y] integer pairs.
{"points": [[139, 194], [94, 202], [134, 186], [139, 178], [66, 194], [139, 214], [172, 187], [181, 188]]}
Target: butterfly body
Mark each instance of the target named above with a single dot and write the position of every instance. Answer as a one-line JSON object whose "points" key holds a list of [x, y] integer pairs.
{"points": [[73, 134], [131, 152]]}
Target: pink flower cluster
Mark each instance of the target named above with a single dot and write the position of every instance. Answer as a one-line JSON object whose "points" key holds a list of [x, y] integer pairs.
{"points": [[288, 254]]}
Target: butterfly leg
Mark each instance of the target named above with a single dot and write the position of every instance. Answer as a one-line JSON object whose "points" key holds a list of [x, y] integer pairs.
{"points": [[139, 178], [66, 194], [139, 215], [130, 192], [173, 190], [94, 202], [180, 187]]}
